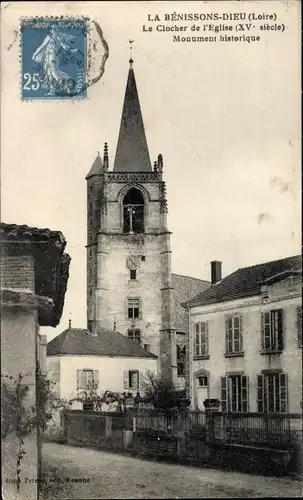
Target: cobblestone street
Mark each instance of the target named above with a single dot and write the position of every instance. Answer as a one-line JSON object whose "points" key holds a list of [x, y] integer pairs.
{"points": [[107, 475]]}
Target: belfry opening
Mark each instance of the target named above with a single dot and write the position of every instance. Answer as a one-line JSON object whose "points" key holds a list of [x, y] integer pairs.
{"points": [[133, 212]]}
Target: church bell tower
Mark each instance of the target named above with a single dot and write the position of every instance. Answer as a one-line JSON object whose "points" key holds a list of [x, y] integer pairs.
{"points": [[128, 243]]}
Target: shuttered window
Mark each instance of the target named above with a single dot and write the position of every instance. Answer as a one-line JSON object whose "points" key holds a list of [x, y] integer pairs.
{"points": [[87, 379], [201, 338], [272, 330], [272, 393], [131, 379], [233, 334], [234, 393]]}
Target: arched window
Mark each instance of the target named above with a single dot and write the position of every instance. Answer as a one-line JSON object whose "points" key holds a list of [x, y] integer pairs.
{"points": [[133, 212]]}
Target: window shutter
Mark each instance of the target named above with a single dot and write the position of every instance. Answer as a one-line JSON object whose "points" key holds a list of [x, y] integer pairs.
{"points": [[260, 393], [140, 309], [126, 308], [280, 329], [245, 394], [79, 379], [224, 393], [283, 379], [125, 379], [265, 330], [140, 385], [240, 333], [226, 335], [96, 378], [206, 338]]}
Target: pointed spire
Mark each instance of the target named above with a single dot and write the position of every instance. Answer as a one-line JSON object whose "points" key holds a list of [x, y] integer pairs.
{"points": [[132, 151], [97, 167]]}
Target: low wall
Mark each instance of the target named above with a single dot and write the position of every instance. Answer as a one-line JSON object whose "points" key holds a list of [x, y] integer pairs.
{"points": [[101, 431]]}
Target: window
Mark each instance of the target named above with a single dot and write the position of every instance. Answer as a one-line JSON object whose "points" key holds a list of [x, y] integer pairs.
{"points": [[131, 379], [203, 381], [133, 308], [133, 274], [143, 258], [133, 212], [299, 325], [147, 347], [234, 393], [272, 393], [87, 379], [88, 406], [201, 339], [233, 334], [135, 335], [272, 330]]}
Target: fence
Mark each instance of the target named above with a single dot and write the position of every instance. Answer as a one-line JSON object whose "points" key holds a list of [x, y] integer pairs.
{"points": [[265, 430], [211, 438]]}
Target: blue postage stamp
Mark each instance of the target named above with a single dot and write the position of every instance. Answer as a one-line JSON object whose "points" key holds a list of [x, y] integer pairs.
{"points": [[54, 58]]}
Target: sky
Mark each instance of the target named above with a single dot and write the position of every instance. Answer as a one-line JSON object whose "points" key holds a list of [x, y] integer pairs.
{"points": [[225, 116]]}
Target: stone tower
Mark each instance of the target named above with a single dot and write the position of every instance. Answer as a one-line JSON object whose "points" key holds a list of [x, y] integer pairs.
{"points": [[128, 243]]}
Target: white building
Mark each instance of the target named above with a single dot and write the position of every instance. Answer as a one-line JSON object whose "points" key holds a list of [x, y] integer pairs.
{"points": [[77, 358], [246, 337]]}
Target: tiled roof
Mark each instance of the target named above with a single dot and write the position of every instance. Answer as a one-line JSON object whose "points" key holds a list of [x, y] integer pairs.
{"points": [[15, 232], [78, 341], [51, 263], [185, 288], [246, 281]]}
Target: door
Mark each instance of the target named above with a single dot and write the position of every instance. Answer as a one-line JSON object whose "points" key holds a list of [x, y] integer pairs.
{"points": [[202, 390]]}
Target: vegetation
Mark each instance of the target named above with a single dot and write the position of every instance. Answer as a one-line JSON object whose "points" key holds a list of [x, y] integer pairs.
{"points": [[161, 393]]}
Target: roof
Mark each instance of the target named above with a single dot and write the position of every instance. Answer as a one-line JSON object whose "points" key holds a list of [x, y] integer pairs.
{"points": [[96, 168], [185, 288], [246, 281], [132, 151], [51, 263], [79, 341], [16, 232]]}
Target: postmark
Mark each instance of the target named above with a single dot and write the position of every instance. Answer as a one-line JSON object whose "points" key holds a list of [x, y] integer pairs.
{"points": [[56, 58]]}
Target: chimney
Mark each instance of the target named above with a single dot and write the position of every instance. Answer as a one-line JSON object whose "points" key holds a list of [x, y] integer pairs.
{"points": [[216, 271]]}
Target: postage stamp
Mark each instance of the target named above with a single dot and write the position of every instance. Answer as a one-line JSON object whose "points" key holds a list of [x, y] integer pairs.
{"points": [[54, 58]]}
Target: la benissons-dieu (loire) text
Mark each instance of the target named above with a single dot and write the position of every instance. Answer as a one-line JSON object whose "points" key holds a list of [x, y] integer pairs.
{"points": [[216, 16]]}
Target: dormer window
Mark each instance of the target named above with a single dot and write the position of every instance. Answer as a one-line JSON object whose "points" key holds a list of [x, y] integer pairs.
{"points": [[133, 212]]}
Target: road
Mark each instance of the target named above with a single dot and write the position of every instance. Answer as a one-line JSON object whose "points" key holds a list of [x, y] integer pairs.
{"points": [[109, 475]]}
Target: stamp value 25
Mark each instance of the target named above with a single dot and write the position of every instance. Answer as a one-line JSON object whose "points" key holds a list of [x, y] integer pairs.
{"points": [[54, 58]]}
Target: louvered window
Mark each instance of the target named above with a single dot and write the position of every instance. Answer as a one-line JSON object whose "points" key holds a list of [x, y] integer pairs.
{"points": [[272, 330], [201, 338], [272, 394], [234, 393], [233, 334], [87, 379]]}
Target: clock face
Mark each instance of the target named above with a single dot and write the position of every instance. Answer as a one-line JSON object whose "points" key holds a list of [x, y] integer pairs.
{"points": [[133, 262]]}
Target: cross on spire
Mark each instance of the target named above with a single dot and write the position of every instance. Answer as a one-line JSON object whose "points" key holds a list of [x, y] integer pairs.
{"points": [[130, 51]]}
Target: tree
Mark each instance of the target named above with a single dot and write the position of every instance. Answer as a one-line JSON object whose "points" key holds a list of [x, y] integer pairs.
{"points": [[158, 391]]}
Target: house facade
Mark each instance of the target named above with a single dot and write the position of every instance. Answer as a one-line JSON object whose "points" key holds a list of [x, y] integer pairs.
{"points": [[34, 274], [78, 360], [245, 342], [130, 286]]}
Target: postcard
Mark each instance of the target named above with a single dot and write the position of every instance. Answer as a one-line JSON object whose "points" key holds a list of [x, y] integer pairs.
{"points": [[151, 318]]}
